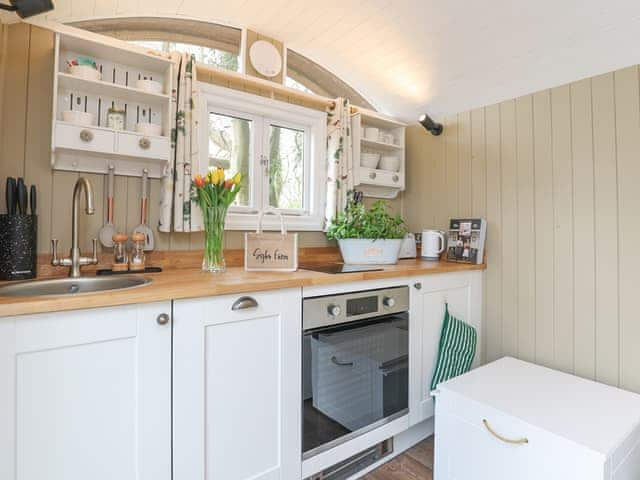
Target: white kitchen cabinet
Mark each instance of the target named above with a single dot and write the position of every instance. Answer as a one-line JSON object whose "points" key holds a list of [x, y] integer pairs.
{"points": [[86, 394], [236, 383], [429, 294], [515, 420]]}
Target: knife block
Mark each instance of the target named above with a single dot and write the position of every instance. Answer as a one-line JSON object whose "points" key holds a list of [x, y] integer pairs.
{"points": [[18, 246]]}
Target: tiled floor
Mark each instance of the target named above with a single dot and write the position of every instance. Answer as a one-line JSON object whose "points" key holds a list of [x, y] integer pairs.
{"points": [[414, 464]]}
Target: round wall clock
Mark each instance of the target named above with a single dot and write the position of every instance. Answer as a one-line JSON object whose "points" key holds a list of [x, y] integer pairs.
{"points": [[265, 58]]}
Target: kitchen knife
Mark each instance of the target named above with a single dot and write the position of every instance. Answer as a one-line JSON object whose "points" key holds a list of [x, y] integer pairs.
{"points": [[33, 200], [22, 197], [11, 195]]}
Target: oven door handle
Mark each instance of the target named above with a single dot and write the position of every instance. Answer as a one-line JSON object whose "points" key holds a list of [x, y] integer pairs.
{"points": [[337, 362]]}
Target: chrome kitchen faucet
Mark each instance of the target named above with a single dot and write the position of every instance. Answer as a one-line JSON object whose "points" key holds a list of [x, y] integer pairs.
{"points": [[75, 261]]}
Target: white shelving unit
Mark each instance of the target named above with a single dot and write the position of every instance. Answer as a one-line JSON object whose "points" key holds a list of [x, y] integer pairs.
{"points": [[94, 148], [376, 182]]}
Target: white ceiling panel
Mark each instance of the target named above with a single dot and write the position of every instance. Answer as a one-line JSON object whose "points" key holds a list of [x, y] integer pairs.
{"points": [[410, 56]]}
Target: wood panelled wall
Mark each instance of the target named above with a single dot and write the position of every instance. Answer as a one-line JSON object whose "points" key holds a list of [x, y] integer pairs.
{"points": [[557, 175], [25, 141]]}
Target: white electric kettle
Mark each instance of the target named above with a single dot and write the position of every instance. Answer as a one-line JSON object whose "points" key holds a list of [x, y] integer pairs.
{"points": [[433, 244]]}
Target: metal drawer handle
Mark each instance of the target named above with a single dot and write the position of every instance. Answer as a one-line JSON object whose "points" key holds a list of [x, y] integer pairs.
{"points": [[243, 303], [162, 319], [144, 143], [395, 178], [519, 441], [86, 135], [372, 175], [337, 362]]}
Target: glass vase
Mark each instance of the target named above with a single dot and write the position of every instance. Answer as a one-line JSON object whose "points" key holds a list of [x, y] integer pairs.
{"points": [[213, 260]]}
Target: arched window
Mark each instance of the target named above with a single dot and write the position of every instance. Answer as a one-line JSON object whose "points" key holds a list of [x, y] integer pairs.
{"points": [[219, 45]]}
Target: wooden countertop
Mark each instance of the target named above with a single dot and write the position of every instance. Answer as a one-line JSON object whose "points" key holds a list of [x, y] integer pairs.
{"points": [[180, 283]]}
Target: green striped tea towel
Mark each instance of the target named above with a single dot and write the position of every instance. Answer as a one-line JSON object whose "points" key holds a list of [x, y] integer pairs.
{"points": [[457, 349]]}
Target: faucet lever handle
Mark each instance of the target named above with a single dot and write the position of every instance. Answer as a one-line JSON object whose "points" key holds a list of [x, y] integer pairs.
{"points": [[54, 252], [95, 251]]}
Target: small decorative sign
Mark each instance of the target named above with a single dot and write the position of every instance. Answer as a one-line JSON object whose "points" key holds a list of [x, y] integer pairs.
{"points": [[271, 252]]}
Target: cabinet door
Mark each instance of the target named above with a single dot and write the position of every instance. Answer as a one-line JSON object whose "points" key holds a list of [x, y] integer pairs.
{"points": [[429, 294], [89, 395], [237, 393]]}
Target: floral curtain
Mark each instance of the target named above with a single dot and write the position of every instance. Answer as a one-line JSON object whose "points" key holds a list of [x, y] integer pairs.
{"points": [[340, 157], [176, 205]]}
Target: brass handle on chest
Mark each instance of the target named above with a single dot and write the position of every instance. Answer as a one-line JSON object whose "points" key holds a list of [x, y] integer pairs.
{"points": [[517, 441]]}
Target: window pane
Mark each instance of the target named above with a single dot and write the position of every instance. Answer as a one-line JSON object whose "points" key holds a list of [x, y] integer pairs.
{"points": [[230, 148], [291, 83], [286, 167], [205, 55]]}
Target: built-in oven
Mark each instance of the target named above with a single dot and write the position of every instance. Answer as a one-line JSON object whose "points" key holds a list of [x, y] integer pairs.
{"points": [[355, 365]]}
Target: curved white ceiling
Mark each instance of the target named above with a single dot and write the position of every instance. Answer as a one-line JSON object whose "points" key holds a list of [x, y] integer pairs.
{"points": [[410, 56]]}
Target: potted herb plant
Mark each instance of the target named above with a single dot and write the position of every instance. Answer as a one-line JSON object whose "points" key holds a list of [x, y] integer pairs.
{"points": [[369, 236]]}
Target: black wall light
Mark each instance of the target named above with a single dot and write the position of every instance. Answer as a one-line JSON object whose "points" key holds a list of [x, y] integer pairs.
{"points": [[28, 8], [430, 125]]}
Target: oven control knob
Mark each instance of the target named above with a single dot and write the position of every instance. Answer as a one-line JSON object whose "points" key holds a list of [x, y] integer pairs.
{"points": [[334, 310], [389, 302]]}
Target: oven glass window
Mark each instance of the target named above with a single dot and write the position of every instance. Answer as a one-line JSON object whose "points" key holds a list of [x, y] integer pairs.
{"points": [[354, 375]]}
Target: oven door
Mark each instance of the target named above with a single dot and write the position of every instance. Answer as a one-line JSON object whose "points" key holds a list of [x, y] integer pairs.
{"points": [[355, 378]]}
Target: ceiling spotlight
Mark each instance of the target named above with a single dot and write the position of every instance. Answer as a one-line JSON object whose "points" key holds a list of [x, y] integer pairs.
{"points": [[28, 8], [430, 125]]}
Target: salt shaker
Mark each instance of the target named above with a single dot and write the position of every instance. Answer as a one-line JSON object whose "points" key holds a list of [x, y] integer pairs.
{"points": [[137, 261]]}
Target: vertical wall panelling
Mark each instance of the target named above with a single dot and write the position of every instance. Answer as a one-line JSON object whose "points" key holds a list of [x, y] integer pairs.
{"points": [[15, 99], [493, 285], [583, 228], [606, 229], [37, 165], [563, 218], [628, 142], [438, 184], [451, 165], [560, 194], [464, 164], [509, 197], [526, 229], [544, 228]]}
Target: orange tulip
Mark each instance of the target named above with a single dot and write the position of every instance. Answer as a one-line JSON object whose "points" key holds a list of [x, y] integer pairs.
{"points": [[199, 181], [228, 184]]}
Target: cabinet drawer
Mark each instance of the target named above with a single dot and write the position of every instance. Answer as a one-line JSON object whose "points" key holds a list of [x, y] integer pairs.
{"points": [[476, 442], [135, 145], [77, 137], [381, 177]]}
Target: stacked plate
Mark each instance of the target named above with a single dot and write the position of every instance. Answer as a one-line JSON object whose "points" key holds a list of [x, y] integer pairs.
{"points": [[370, 160]]}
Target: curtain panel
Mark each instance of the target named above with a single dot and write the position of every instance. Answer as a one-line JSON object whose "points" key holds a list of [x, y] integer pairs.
{"points": [[177, 211], [340, 158]]}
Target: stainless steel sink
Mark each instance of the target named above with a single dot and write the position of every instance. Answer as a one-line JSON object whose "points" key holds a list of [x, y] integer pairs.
{"points": [[72, 286]]}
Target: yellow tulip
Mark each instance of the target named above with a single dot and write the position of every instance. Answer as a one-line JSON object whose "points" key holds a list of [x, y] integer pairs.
{"points": [[237, 178]]}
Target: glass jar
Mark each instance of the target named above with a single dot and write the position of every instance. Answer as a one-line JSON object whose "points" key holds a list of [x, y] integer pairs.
{"points": [[120, 256], [137, 261]]}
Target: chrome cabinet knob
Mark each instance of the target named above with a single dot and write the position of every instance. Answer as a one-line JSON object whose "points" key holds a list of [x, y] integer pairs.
{"points": [[417, 285], [372, 175], [334, 310], [395, 178], [389, 302], [162, 319]]}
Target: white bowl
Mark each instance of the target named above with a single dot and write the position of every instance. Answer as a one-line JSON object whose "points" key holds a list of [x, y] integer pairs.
{"points": [[149, 129], [372, 133], [149, 86], [370, 160], [85, 72], [79, 118], [390, 163]]}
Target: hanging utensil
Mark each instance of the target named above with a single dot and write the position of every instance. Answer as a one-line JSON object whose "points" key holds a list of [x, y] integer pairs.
{"points": [[108, 230], [143, 228]]}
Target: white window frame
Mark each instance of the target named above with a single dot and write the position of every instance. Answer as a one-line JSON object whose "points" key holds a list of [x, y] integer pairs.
{"points": [[264, 112]]}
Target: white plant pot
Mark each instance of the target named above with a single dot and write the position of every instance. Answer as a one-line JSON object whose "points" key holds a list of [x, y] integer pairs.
{"points": [[360, 251]]}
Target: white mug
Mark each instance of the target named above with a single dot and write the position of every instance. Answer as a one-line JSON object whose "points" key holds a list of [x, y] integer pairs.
{"points": [[433, 244]]}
